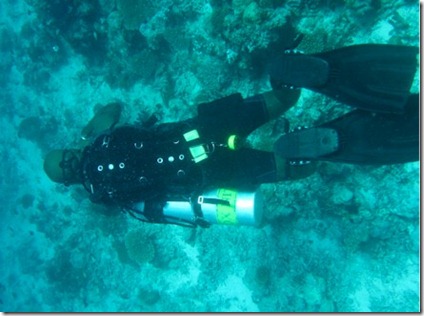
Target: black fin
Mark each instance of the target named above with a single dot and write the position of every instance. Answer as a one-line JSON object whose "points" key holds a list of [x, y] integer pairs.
{"points": [[378, 138], [372, 77], [298, 70]]}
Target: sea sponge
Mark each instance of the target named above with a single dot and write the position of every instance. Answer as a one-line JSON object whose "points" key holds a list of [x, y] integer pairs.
{"points": [[139, 246]]}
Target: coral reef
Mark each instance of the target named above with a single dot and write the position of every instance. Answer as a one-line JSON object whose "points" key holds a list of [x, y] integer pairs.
{"points": [[38, 130], [345, 239], [140, 246], [67, 273], [148, 296], [136, 12], [80, 23]]}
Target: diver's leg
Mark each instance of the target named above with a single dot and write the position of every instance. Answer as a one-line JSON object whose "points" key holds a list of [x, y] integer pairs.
{"points": [[358, 137], [266, 167], [233, 115], [287, 170], [247, 168]]}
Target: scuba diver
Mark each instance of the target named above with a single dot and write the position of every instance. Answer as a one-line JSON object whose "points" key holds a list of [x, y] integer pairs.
{"points": [[200, 171]]}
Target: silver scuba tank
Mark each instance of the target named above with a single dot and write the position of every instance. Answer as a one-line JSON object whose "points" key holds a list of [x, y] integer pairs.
{"points": [[217, 206], [221, 206]]}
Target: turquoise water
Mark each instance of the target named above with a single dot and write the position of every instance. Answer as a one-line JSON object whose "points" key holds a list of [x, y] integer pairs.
{"points": [[344, 239]]}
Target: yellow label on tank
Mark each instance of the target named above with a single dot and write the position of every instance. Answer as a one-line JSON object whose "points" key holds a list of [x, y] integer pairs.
{"points": [[226, 214]]}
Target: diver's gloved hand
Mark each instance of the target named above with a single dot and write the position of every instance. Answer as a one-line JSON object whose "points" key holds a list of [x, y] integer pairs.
{"points": [[107, 117]]}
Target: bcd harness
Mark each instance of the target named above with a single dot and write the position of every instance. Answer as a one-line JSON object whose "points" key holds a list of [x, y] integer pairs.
{"points": [[132, 164]]}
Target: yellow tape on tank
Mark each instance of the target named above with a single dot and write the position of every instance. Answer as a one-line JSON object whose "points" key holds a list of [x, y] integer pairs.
{"points": [[226, 214]]}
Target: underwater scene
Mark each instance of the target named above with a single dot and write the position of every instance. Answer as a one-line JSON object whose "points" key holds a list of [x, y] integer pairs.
{"points": [[346, 238]]}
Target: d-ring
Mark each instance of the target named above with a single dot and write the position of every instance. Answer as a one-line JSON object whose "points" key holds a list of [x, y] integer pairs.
{"points": [[138, 145]]}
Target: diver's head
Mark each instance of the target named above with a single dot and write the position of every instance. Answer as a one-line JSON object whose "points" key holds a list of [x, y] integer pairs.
{"points": [[63, 166]]}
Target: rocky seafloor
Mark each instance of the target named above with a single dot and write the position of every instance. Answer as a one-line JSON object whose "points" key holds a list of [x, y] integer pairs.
{"points": [[344, 239]]}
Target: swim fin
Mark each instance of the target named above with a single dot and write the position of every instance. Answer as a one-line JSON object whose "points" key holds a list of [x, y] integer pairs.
{"points": [[358, 137], [373, 77], [378, 138]]}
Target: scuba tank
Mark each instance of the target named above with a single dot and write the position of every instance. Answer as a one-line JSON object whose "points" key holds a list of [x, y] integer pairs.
{"points": [[230, 207], [217, 206]]}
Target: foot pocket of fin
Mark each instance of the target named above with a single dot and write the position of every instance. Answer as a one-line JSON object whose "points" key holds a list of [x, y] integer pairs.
{"points": [[299, 71], [308, 143]]}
